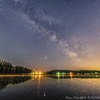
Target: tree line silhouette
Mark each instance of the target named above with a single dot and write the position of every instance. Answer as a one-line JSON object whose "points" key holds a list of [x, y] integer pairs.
{"points": [[7, 68]]}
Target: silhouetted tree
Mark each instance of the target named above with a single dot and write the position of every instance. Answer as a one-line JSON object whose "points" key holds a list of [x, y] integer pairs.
{"points": [[7, 68]]}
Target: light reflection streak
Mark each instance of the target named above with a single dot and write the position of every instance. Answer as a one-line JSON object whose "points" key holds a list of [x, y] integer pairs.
{"points": [[39, 80]]}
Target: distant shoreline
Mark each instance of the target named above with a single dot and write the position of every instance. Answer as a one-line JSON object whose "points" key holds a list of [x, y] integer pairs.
{"points": [[51, 75], [11, 75]]}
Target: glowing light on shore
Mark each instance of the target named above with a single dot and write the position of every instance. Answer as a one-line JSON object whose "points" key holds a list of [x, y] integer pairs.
{"points": [[40, 73], [58, 73], [71, 74], [36, 72]]}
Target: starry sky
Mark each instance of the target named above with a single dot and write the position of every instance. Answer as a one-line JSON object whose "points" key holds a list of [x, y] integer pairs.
{"points": [[50, 34]]}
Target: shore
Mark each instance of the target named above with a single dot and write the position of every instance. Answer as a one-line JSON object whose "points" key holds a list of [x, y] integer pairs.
{"points": [[52, 76]]}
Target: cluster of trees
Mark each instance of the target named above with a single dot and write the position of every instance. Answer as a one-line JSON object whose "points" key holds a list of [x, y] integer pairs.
{"points": [[79, 72], [7, 68]]}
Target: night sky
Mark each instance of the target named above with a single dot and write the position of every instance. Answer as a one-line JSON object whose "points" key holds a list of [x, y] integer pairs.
{"points": [[50, 34]]}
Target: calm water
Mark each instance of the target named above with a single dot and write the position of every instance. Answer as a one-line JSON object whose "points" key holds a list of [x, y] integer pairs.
{"points": [[45, 88]]}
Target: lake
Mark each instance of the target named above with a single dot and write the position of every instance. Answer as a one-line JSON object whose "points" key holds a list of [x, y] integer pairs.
{"points": [[39, 87]]}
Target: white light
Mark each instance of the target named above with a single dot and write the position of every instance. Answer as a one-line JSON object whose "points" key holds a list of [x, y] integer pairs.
{"points": [[45, 57]]}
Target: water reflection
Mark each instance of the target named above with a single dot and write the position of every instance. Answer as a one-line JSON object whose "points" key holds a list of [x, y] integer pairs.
{"points": [[39, 87], [4, 81], [33, 77]]}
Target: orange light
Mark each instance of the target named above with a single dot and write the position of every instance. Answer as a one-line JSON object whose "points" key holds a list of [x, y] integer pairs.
{"points": [[36, 72], [71, 74], [36, 76], [40, 73]]}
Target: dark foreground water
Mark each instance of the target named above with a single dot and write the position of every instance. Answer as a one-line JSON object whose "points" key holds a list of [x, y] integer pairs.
{"points": [[49, 88]]}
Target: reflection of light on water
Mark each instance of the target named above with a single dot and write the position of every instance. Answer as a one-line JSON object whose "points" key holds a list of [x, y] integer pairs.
{"points": [[32, 77], [63, 76], [44, 94], [36, 76], [51, 87], [58, 76], [39, 78], [96, 75]]}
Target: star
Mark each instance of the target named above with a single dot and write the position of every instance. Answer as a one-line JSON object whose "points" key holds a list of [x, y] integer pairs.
{"points": [[45, 57]]}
